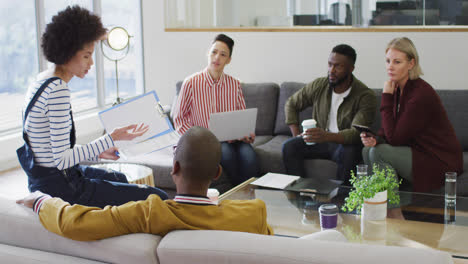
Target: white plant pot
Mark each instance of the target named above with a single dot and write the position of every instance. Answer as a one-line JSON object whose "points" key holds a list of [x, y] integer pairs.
{"points": [[375, 208], [375, 231]]}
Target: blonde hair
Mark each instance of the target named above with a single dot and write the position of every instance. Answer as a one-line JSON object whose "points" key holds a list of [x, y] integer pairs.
{"points": [[406, 46]]}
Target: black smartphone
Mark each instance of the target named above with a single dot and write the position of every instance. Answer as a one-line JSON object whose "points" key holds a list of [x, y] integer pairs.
{"points": [[365, 129]]}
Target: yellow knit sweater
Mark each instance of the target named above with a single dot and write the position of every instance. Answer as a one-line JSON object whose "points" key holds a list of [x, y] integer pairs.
{"points": [[152, 216]]}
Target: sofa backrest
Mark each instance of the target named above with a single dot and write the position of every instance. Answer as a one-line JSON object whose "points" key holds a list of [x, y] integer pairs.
{"points": [[210, 246], [270, 98], [377, 120], [454, 102], [264, 97], [21, 227], [286, 90]]}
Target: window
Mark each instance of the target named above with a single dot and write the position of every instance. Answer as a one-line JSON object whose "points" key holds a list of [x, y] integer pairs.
{"points": [[125, 13], [292, 13], [18, 58], [20, 63]]}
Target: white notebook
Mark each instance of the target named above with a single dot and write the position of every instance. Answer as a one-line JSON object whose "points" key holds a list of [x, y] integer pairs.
{"points": [[275, 180]]}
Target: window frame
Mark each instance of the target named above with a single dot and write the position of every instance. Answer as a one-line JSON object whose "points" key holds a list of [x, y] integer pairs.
{"points": [[174, 25], [39, 6]]}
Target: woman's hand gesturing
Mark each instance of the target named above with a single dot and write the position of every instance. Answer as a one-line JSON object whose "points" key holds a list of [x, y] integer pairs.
{"points": [[129, 132]]}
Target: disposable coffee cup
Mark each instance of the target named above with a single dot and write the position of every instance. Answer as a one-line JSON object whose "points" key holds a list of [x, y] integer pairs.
{"points": [[213, 194], [328, 216], [307, 124]]}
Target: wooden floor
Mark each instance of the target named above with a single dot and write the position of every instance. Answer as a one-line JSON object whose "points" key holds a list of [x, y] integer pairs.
{"points": [[13, 183]]}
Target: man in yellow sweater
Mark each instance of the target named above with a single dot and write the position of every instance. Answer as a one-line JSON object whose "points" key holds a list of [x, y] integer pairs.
{"points": [[196, 164]]}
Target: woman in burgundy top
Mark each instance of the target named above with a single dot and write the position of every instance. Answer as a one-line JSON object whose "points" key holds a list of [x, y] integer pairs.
{"points": [[416, 138]]}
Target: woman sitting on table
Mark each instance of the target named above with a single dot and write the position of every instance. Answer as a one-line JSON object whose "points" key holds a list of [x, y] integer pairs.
{"points": [[212, 91], [50, 156], [416, 138]]}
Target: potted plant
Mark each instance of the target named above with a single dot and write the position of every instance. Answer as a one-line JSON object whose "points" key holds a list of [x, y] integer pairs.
{"points": [[372, 192]]}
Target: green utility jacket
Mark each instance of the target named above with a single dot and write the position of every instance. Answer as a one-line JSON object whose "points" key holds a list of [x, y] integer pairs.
{"points": [[359, 107]]}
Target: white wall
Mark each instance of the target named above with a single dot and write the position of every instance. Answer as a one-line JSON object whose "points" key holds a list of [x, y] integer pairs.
{"points": [[291, 56]]}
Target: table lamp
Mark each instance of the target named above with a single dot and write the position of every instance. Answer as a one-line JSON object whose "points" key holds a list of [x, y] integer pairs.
{"points": [[115, 47]]}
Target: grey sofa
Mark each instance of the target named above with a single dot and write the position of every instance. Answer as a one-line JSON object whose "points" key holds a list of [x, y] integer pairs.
{"points": [[272, 131]]}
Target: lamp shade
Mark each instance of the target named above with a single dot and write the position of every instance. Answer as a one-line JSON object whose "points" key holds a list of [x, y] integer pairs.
{"points": [[118, 38]]}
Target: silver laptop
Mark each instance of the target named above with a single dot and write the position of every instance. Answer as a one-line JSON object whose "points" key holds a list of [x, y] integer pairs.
{"points": [[233, 125]]}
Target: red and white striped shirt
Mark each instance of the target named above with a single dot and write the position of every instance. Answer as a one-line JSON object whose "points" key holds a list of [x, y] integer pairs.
{"points": [[200, 96]]}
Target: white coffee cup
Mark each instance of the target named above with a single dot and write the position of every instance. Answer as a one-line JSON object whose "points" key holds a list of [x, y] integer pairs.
{"points": [[306, 124], [213, 194]]}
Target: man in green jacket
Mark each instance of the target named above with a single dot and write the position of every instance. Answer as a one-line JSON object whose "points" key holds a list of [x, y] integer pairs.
{"points": [[338, 101]]}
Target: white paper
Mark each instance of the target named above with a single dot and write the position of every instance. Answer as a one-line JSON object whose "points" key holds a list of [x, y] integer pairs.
{"points": [[151, 145], [275, 180], [142, 109]]}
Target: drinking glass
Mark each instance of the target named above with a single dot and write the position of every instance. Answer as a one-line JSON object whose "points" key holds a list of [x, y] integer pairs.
{"points": [[450, 187], [361, 170]]}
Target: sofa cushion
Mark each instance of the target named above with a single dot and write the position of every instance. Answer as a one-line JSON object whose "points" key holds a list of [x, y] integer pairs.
{"points": [[260, 140], [270, 158], [202, 246], [286, 90], [264, 97], [18, 255], [326, 235], [21, 227], [377, 120], [269, 155], [454, 102], [462, 180]]}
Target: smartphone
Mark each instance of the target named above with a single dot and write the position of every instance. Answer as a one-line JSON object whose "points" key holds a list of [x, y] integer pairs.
{"points": [[365, 129]]}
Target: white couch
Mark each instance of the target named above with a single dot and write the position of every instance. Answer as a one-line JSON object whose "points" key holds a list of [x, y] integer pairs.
{"points": [[24, 240]]}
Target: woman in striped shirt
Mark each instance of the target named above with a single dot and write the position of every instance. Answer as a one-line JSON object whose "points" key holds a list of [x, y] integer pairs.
{"points": [[212, 91], [50, 156]]}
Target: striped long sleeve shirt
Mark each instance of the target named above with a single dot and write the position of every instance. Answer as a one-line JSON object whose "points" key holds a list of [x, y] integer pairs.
{"points": [[48, 128], [200, 96]]}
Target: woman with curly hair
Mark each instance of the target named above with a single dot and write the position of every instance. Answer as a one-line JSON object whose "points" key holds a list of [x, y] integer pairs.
{"points": [[50, 156]]}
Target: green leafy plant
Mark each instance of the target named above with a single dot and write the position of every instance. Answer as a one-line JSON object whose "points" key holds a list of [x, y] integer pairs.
{"points": [[367, 186]]}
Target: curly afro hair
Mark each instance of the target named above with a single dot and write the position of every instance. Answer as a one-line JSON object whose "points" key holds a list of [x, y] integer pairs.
{"points": [[68, 32]]}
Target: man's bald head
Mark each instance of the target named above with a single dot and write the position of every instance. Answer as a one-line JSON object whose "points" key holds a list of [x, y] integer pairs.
{"points": [[198, 153]]}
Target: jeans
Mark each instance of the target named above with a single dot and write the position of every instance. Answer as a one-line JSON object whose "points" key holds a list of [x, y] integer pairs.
{"points": [[90, 186], [239, 161], [295, 151]]}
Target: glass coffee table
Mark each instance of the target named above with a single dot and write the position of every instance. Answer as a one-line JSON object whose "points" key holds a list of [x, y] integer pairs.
{"points": [[135, 173], [425, 221]]}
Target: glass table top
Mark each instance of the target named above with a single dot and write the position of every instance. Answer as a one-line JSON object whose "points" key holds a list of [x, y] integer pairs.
{"points": [[422, 220]]}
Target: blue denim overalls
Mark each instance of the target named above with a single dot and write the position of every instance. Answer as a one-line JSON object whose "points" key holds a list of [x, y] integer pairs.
{"points": [[78, 184]]}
